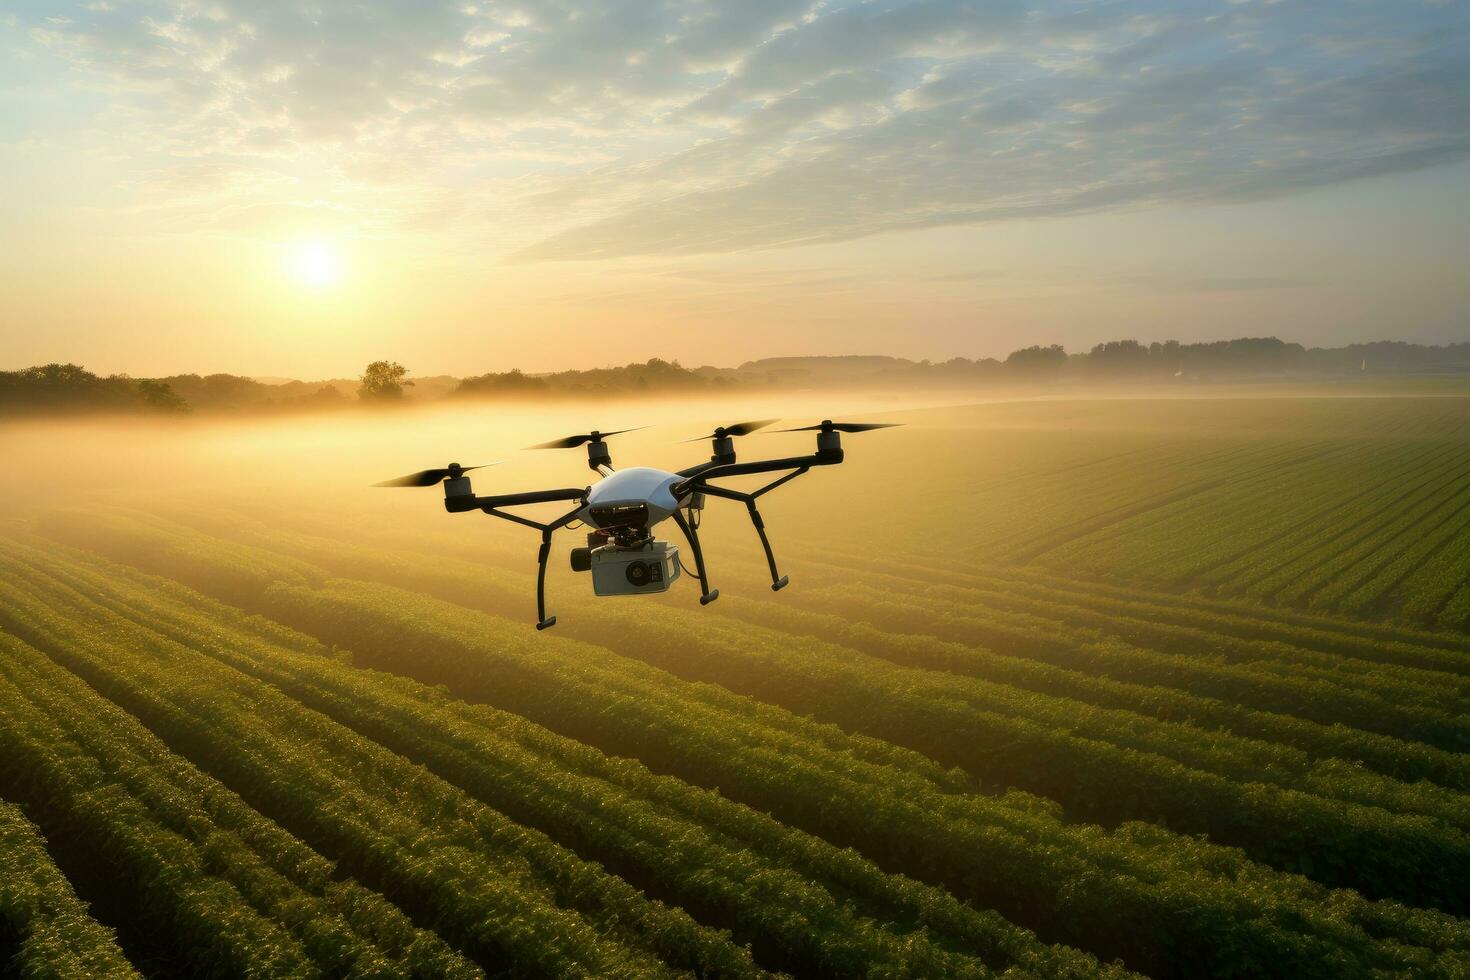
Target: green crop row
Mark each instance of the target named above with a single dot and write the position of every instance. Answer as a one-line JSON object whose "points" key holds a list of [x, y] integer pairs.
{"points": [[1119, 894], [1076, 884], [1456, 611], [1395, 702], [1146, 641], [1379, 642], [1215, 515], [865, 694], [1384, 560], [1153, 626], [46, 932], [765, 880], [1290, 769], [1091, 672], [537, 679], [1235, 524], [1407, 669], [1108, 483], [506, 893], [1273, 801], [240, 894], [1343, 528], [1366, 462], [152, 553], [1323, 548], [1425, 593], [1336, 645], [1369, 548], [1335, 522], [1023, 635], [1133, 505]]}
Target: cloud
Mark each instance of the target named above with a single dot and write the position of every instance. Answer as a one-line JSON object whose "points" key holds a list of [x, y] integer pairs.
{"points": [[973, 275], [1168, 283], [581, 130], [1141, 113]]}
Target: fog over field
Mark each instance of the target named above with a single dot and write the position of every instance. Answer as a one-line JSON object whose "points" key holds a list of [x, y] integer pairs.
{"points": [[1044, 665], [1032, 478]]}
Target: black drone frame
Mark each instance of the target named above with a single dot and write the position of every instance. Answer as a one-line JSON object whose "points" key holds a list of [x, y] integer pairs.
{"points": [[459, 503], [459, 499], [723, 465]]}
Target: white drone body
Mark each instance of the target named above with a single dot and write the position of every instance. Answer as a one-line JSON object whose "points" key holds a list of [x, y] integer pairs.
{"points": [[640, 485], [624, 506]]}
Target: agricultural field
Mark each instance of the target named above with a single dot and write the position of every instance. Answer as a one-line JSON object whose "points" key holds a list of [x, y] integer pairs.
{"points": [[1111, 687]]}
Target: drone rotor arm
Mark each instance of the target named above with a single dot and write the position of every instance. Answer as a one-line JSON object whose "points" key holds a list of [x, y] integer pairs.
{"points": [[464, 503], [543, 554], [497, 501], [698, 477]]}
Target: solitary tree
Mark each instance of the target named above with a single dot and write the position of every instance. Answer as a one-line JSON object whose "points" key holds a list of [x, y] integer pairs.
{"points": [[383, 381]]}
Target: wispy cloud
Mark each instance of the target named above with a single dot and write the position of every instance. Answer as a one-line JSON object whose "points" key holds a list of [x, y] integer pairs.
{"points": [[1167, 283], [582, 130], [974, 275]]}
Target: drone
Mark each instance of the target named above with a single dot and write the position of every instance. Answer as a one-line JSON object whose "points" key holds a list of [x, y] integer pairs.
{"points": [[622, 508]]}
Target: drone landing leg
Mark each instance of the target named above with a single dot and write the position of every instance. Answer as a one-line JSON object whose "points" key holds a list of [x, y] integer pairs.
{"points": [[705, 595], [542, 622], [778, 581]]}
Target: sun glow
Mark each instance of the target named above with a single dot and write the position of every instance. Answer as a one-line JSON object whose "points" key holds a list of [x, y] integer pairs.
{"points": [[317, 264]]}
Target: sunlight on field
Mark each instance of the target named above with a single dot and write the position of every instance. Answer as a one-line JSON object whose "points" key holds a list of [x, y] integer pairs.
{"points": [[1226, 495], [1196, 665]]}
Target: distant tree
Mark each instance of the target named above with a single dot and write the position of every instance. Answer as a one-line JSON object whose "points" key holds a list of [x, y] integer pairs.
{"points": [[1037, 362], [383, 381], [218, 392], [161, 397], [1166, 357], [1118, 358], [326, 396], [512, 382], [71, 388]]}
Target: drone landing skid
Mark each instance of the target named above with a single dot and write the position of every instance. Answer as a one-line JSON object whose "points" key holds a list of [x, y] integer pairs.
{"points": [[778, 581], [706, 595]]}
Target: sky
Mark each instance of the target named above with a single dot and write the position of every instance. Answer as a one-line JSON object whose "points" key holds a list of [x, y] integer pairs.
{"points": [[293, 189]]}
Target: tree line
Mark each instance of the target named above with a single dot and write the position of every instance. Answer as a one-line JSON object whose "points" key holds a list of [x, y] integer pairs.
{"points": [[71, 389]]}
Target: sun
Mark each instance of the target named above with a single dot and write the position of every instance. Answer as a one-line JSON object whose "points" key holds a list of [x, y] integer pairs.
{"points": [[317, 264]]}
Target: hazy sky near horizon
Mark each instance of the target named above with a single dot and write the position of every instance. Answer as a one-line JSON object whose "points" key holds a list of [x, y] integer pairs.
{"points": [[280, 188]]}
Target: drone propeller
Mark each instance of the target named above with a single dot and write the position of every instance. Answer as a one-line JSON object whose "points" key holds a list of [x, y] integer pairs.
{"points": [[738, 429], [572, 442], [427, 478], [828, 425]]}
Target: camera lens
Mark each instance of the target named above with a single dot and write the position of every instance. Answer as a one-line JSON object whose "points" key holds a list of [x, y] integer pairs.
{"points": [[638, 573]]}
